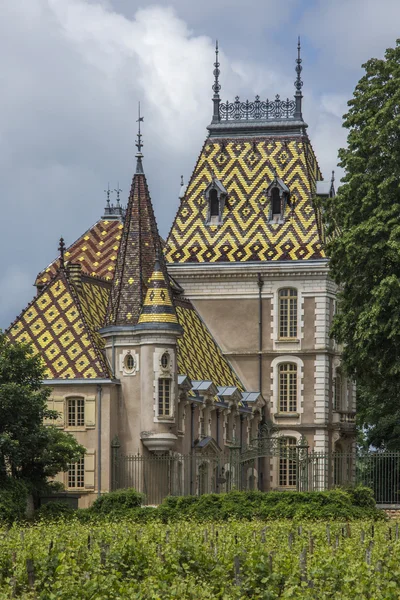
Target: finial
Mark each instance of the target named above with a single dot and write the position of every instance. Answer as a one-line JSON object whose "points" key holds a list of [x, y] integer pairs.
{"points": [[333, 177], [216, 87], [108, 192], [61, 249], [298, 84], [182, 183], [139, 144], [118, 191]]}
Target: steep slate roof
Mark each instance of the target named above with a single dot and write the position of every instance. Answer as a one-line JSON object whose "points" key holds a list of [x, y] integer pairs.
{"points": [[61, 324], [136, 255], [96, 252], [199, 356], [245, 165]]}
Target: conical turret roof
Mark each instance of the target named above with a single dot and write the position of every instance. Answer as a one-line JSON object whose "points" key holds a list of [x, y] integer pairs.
{"points": [[158, 307], [139, 246]]}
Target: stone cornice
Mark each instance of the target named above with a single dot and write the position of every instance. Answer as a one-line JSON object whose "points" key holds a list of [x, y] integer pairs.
{"points": [[248, 270]]}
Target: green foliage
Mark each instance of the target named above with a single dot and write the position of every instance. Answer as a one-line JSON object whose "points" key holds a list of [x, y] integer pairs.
{"points": [[54, 510], [356, 503], [364, 248], [29, 450], [117, 502], [13, 500], [201, 561]]}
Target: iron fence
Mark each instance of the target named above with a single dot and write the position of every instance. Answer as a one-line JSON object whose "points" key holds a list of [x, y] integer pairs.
{"points": [[275, 469]]}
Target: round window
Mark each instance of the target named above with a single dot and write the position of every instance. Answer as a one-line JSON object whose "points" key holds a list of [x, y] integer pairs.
{"points": [[165, 360], [129, 362]]}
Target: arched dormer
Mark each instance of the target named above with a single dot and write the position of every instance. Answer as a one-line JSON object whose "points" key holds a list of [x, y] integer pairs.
{"points": [[278, 195], [215, 195]]}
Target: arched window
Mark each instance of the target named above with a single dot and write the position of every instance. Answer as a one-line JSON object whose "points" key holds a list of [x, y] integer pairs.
{"points": [[276, 202], [287, 314], [287, 462], [214, 204], [287, 388]]}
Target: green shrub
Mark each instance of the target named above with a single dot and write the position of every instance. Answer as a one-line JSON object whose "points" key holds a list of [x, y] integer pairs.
{"points": [[117, 502], [55, 509], [13, 500]]}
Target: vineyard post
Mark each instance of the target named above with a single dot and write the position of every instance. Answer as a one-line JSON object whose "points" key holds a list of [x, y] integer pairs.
{"points": [[236, 565], [30, 569], [303, 565], [328, 535]]}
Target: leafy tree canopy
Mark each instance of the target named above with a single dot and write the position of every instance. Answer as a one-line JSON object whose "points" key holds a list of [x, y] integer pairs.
{"points": [[363, 227], [29, 450]]}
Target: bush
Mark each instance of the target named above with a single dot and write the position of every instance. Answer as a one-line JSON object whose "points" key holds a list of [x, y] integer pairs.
{"points": [[13, 500], [117, 502], [55, 510], [356, 503]]}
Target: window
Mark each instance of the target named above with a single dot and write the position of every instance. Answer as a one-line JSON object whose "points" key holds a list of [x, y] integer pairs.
{"points": [[164, 397], [287, 462], [287, 389], [76, 412], [214, 204], [165, 360], [276, 202], [129, 362], [287, 314], [337, 392], [76, 474]]}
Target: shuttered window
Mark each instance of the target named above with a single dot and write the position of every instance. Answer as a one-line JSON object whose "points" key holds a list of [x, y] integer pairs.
{"points": [[76, 474], [76, 412]]}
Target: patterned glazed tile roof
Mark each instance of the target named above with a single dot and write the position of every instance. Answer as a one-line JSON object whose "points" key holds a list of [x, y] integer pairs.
{"points": [[60, 323], [199, 356], [158, 306], [96, 252], [136, 255], [245, 167]]}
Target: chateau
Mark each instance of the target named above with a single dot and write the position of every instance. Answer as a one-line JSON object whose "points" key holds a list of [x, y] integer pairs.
{"points": [[196, 345]]}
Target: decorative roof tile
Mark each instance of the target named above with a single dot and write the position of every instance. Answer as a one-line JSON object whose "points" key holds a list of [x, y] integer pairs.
{"points": [[60, 325], [96, 251], [158, 306], [245, 167]]}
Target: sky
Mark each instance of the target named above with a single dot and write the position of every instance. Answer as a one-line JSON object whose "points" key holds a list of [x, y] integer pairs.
{"points": [[73, 72]]}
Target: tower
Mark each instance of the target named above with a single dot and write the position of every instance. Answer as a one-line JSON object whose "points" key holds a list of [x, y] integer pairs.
{"points": [[247, 245]]}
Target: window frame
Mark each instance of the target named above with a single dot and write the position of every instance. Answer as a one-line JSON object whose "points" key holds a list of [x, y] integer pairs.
{"points": [[76, 473], [164, 397], [288, 318], [75, 416], [289, 370], [287, 471]]}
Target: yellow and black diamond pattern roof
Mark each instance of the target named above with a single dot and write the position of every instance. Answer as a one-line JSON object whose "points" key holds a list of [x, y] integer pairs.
{"points": [[96, 251], [199, 356], [60, 324], [158, 306], [245, 167]]}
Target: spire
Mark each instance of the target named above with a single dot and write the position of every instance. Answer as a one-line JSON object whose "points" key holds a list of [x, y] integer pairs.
{"points": [[61, 249], [216, 87], [118, 208], [298, 84], [139, 145], [136, 254], [158, 309]]}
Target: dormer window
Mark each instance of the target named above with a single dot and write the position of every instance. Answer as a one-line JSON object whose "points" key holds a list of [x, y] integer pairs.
{"points": [[279, 197], [215, 195]]}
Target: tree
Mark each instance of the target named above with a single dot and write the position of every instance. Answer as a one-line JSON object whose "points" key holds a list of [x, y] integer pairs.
{"points": [[30, 451], [363, 229]]}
